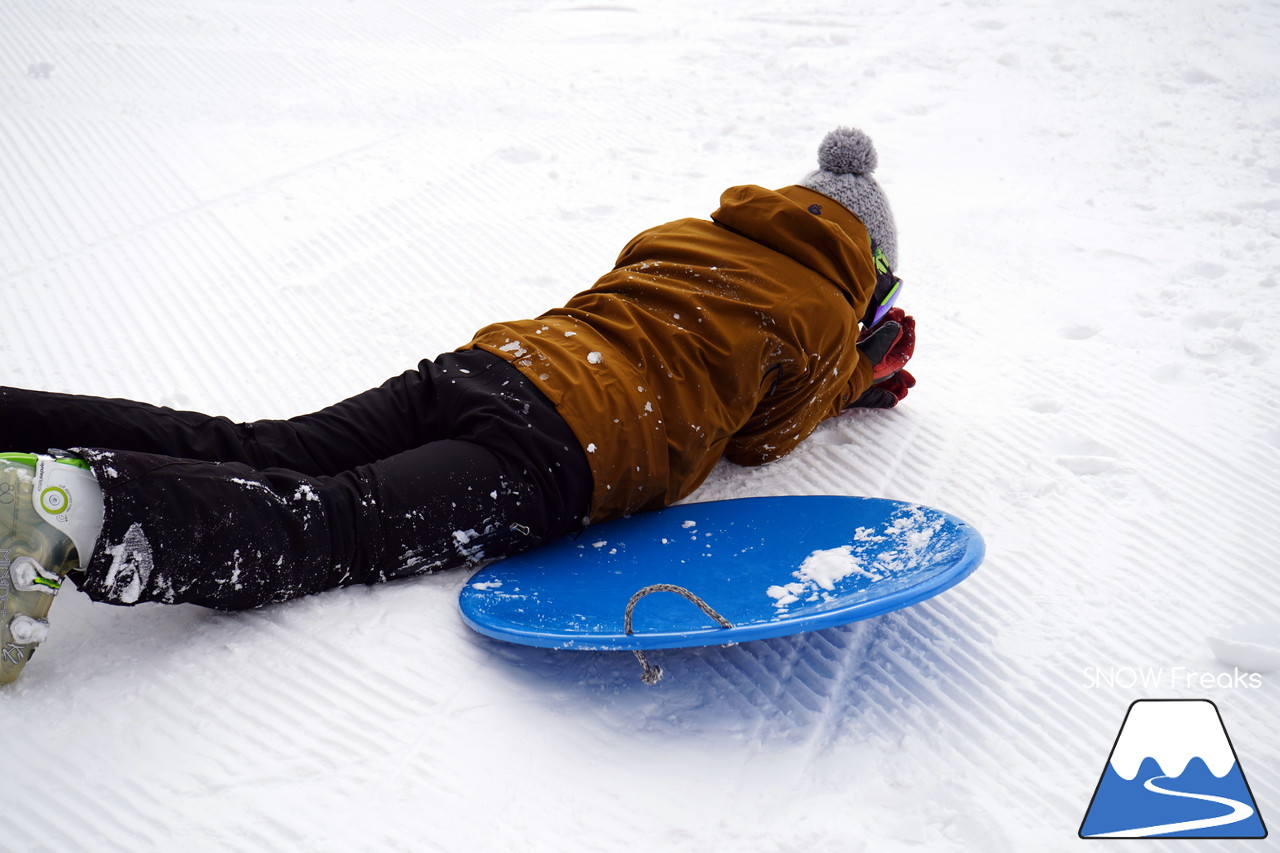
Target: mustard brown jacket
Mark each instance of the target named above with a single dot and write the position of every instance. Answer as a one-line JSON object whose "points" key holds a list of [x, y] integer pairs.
{"points": [[732, 337]]}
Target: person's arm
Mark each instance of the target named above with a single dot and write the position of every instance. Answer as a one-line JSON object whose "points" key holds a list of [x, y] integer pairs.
{"points": [[888, 347]]}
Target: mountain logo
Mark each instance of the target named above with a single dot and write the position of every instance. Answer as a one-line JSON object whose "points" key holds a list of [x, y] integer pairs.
{"points": [[1172, 773]]}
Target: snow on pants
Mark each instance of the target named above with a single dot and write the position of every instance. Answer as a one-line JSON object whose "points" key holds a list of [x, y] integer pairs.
{"points": [[459, 461]]}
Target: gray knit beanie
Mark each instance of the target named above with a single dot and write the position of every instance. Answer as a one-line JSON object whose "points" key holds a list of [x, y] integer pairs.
{"points": [[846, 159]]}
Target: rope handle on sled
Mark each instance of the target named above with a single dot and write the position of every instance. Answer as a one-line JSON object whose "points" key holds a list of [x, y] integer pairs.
{"points": [[652, 673]]}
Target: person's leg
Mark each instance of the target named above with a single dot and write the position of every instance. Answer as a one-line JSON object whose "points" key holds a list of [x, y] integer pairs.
{"points": [[400, 414], [228, 536]]}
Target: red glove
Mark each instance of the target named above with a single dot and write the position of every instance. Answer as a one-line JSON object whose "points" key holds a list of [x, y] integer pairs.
{"points": [[888, 346]]}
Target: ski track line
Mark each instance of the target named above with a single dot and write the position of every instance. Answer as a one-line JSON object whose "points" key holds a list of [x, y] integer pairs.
{"points": [[220, 265], [241, 193], [169, 276], [1214, 483], [264, 736], [31, 200], [15, 226], [279, 717], [841, 649], [175, 272], [113, 815], [910, 647], [19, 37], [774, 688], [66, 182], [32, 228], [820, 672], [812, 680], [738, 681], [896, 696], [786, 659], [758, 698], [347, 245], [301, 56], [827, 671], [1157, 631], [914, 686], [127, 310], [1207, 471], [973, 613], [1019, 715], [1150, 533], [412, 33], [25, 38], [334, 28], [350, 679], [965, 680], [307, 263], [146, 316], [162, 187], [382, 261], [1239, 811], [245, 744], [50, 219], [735, 693], [894, 721], [1134, 417], [321, 663], [234, 28], [865, 451], [86, 61], [846, 664], [934, 635], [100, 181], [1121, 422]]}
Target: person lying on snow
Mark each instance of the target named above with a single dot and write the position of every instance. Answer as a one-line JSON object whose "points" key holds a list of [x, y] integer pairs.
{"points": [[734, 337]]}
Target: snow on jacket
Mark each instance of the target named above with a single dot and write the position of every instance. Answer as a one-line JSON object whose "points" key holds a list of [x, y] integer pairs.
{"points": [[732, 337]]}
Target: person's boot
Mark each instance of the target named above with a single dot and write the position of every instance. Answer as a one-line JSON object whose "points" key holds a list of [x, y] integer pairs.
{"points": [[50, 518]]}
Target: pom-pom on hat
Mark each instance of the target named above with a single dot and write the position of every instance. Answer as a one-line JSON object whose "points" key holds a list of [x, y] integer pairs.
{"points": [[846, 159]]}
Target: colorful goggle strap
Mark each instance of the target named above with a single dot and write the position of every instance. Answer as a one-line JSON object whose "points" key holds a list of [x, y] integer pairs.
{"points": [[888, 288]]}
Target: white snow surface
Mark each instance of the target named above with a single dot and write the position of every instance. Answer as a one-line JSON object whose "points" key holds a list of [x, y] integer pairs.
{"points": [[257, 209], [826, 567], [821, 570]]}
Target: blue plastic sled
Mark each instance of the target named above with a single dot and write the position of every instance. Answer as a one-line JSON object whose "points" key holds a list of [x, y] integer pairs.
{"points": [[767, 566]]}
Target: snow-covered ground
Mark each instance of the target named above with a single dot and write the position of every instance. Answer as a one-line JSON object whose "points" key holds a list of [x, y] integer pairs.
{"points": [[257, 208]]}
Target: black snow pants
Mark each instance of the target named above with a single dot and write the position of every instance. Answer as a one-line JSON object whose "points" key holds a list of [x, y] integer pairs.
{"points": [[457, 462]]}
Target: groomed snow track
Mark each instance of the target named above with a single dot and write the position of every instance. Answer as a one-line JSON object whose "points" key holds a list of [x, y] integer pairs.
{"points": [[258, 208]]}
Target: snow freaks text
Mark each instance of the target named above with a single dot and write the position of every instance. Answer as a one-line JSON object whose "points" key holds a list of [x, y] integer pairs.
{"points": [[1175, 677]]}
